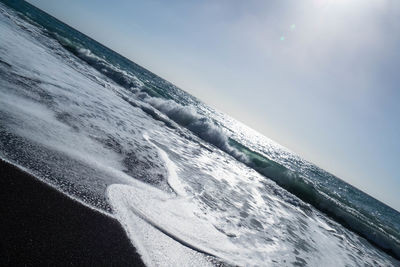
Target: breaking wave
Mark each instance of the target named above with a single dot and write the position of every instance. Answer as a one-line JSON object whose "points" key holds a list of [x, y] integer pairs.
{"points": [[203, 127]]}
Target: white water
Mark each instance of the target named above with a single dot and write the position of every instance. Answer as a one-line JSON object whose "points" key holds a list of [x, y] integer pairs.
{"points": [[155, 247], [181, 218], [67, 124]]}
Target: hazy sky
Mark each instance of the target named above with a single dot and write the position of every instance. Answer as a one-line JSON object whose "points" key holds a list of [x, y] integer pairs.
{"points": [[321, 77]]}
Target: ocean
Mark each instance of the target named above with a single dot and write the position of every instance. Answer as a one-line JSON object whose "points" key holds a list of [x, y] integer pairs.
{"points": [[191, 185]]}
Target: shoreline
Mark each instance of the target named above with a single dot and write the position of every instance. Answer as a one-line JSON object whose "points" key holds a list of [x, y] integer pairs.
{"points": [[41, 226]]}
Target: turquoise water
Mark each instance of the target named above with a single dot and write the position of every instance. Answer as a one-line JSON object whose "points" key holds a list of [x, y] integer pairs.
{"points": [[191, 119]]}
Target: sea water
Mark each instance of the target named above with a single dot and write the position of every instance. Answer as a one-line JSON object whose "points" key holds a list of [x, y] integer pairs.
{"points": [[190, 184]]}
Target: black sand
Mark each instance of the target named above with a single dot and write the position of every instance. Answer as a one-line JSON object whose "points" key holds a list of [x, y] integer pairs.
{"points": [[41, 226]]}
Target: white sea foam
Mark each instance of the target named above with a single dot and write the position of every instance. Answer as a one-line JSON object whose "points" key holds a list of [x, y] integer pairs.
{"points": [[172, 215], [153, 218], [173, 179], [270, 233], [156, 248]]}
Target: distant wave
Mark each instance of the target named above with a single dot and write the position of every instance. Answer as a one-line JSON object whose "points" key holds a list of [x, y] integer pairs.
{"points": [[206, 129], [119, 76]]}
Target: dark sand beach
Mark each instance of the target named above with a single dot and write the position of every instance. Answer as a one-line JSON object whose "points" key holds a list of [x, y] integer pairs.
{"points": [[41, 226]]}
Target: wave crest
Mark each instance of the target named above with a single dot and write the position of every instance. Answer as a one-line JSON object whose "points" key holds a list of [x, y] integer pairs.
{"points": [[203, 127]]}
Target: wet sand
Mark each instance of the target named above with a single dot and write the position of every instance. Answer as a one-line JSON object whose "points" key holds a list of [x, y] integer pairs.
{"points": [[41, 226]]}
